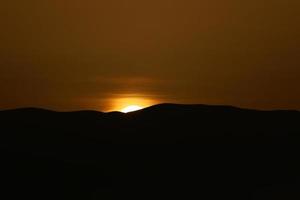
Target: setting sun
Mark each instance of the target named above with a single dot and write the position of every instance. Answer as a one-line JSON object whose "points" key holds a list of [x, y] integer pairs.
{"points": [[130, 102], [131, 108]]}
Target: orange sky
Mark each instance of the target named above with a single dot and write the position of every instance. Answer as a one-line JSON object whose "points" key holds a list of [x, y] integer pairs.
{"points": [[91, 54]]}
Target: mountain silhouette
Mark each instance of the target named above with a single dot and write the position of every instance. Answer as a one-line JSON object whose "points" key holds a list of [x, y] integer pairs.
{"points": [[165, 151]]}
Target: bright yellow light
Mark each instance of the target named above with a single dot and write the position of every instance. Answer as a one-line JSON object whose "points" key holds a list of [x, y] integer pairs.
{"points": [[129, 103], [131, 108]]}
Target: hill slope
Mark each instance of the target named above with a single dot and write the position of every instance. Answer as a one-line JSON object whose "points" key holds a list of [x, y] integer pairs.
{"points": [[164, 123], [225, 152]]}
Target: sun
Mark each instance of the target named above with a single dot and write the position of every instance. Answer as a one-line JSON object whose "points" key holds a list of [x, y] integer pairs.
{"points": [[131, 108], [130, 102]]}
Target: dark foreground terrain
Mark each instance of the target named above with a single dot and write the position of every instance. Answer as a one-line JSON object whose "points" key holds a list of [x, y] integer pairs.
{"points": [[163, 152]]}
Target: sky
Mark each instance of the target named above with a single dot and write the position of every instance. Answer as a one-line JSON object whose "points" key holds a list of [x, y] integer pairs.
{"points": [[105, 55]]}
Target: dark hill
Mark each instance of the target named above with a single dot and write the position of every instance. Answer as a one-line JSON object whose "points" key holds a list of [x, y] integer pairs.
{"points": [[165, 151]]}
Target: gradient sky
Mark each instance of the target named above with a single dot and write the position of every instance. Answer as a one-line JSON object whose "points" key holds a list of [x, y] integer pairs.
{"points": [[93, 54]]}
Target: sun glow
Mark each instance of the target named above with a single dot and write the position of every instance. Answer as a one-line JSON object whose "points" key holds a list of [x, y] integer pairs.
{"points": [[131, 108], [129, 103]]}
